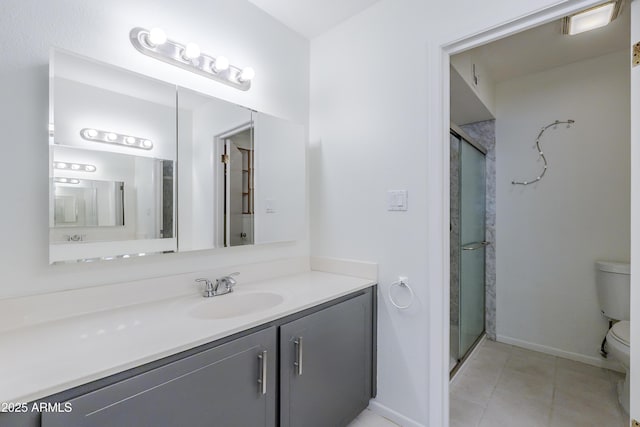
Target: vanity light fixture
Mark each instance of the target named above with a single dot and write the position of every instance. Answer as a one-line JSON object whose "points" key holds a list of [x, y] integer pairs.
{"points": [[77, 167], [67, 180], [154, 43], [592, 18], [96, 135]]}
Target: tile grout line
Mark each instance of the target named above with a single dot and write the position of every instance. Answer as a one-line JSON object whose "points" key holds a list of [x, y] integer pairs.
{"points": [[553, 390], [485, 406]]}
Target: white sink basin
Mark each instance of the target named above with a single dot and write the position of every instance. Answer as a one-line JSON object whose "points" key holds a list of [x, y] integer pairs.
{"points": [[235, 305]]}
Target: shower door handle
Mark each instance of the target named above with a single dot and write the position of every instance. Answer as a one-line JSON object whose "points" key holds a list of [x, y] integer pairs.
{"points": [[475, 245]]}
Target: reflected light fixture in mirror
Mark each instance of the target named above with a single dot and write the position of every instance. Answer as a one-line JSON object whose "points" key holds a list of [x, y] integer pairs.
{"points": [[77, 167], [95, 135], [154, 43], [67, 180]]}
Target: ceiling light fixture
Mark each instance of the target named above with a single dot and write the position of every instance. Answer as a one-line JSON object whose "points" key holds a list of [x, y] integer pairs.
{"points": [[96, 135], [77, 167], [592, 18], [154, 43]]}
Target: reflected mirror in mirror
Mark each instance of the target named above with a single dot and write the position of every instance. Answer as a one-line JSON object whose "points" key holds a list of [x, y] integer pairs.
{"points": [[217, 169], [113, 151], [87, 203], [280, 173]]}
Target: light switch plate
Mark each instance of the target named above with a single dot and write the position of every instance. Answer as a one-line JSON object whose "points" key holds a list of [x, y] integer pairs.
{"points": [[397, 200], [270, 206]]}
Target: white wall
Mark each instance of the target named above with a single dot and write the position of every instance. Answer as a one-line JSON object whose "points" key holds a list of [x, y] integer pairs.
{"points": [[485, 86], [550, 234], [370, 121], [28, 28]]}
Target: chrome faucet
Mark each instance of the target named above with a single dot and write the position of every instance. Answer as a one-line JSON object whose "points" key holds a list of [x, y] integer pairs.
{"points": [[211, 290]]}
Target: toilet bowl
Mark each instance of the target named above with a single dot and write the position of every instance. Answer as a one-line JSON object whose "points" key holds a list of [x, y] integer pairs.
{"points": [[618, 346]]}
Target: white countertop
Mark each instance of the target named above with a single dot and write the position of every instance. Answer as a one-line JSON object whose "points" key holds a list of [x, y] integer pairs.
{"points": [[43, 359]]}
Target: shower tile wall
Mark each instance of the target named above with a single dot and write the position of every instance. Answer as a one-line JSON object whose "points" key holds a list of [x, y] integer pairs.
{"points": [[484, 134], [454, 234]]}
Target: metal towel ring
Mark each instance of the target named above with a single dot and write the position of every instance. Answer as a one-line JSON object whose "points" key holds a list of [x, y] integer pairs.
{"points": [[401, 284]]}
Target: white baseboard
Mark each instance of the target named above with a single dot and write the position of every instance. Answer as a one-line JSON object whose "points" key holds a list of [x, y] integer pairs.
{"points": [[589, 360], [392, 415]]}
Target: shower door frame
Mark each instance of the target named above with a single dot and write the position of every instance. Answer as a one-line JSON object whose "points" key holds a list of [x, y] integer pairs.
{"points": [[463, 137]]}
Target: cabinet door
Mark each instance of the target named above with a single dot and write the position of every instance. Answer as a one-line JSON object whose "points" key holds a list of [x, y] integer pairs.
{"points": [[326, 365], [218, 387]]}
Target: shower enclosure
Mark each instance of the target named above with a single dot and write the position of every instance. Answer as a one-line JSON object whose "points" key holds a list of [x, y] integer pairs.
{"points": [[467, 243]]}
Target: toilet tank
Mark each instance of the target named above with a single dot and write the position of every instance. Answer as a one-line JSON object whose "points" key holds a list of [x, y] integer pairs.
{"points": [[613, 286]]}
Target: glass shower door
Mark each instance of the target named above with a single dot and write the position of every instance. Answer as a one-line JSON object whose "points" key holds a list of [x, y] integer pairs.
{"points": [[472, 246]]}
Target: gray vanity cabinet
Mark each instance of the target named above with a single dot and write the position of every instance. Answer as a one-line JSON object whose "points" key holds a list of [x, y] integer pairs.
{"points": [[326, 365], [221, 386]]}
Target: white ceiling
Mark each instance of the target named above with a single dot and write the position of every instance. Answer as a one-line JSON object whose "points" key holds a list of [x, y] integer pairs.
{"points": [[545, 47], [311, 18]]}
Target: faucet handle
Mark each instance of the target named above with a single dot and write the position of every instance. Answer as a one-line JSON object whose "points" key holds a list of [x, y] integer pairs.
{"points": [[228, 281], [230, 278], [208, 287]]}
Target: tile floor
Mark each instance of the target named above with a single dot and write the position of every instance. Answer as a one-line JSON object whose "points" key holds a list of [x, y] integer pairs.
{"points": [[502, 385], [369, 419]]}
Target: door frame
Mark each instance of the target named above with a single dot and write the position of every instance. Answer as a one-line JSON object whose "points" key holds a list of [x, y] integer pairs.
{"points": [[219, 179], [438, 54]]}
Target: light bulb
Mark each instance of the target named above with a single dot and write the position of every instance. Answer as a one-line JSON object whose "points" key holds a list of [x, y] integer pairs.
{"points": [[147, 143], [112, 136], [247, 74], [191, 51], [157, 37], [74, 181], [75, 167], [220, 64], [62, 180], [61, 165], [90, 168], [91, 133], [130, 140]]}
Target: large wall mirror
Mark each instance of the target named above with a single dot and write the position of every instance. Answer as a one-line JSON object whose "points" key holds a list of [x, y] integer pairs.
{"points": [[122, 186], [217, 172], [112, 162], [241, 175]]}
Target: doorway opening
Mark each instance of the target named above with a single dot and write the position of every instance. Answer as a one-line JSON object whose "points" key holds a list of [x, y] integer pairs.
{"points": [[235, 183], [541, 307]]}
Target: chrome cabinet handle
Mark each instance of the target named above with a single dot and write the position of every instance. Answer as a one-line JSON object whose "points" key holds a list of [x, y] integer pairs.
{"points": [[262, 380], [298, 361], [475, 245]]}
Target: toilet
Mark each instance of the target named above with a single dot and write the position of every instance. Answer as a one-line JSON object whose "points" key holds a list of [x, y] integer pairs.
{"points": [[618, 347], [613, 287]]}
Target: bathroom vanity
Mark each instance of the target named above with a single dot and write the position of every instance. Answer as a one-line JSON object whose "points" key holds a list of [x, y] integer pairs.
{"points": [[306, 358]]}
